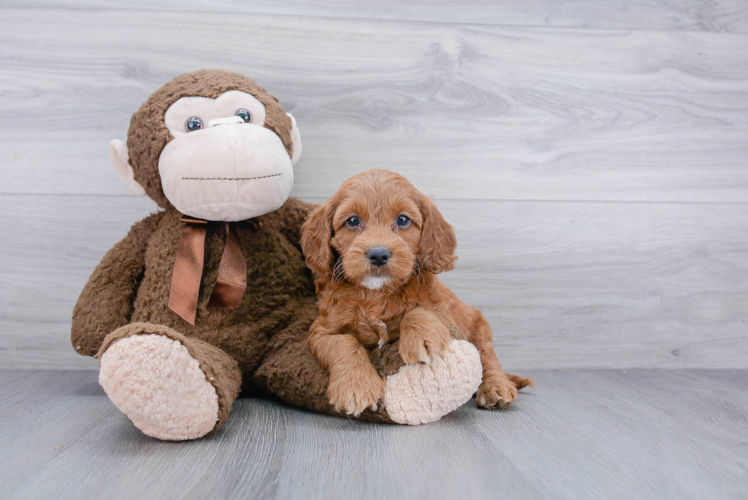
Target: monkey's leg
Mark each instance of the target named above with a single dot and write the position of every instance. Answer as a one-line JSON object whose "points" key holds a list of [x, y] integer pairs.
{"points": [[420, 393], [290, 370], [170, 386], [414, 394]]}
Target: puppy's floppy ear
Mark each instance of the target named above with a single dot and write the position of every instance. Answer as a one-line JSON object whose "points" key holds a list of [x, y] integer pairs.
{"points": [[436, 250], [316, 234]]}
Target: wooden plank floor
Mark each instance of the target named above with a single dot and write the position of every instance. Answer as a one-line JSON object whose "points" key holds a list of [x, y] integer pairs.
{"points": [[582, 434]]}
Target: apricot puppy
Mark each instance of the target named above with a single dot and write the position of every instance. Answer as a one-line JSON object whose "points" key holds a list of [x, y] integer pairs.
{"points": [[375, 248]]}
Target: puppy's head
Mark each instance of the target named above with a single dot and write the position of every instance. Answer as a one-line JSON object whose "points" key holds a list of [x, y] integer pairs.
{"points": [[377, 231]]}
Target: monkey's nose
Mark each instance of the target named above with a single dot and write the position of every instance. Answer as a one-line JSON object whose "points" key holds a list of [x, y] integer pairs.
{"points": [[378, 255], [225, 121]]}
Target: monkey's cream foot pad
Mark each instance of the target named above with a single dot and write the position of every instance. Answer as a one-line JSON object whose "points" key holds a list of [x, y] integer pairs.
{"points": [[160, 387], [422, 393]]}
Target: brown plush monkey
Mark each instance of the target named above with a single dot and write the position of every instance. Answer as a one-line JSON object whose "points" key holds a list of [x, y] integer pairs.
{"points": [[211, 292]]}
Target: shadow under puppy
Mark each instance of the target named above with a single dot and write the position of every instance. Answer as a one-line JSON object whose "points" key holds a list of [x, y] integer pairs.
{"points": [[375, 248]]}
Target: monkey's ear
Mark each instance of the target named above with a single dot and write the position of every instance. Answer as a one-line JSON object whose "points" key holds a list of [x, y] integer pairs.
{"points": [[295, 139], [120, 158]]}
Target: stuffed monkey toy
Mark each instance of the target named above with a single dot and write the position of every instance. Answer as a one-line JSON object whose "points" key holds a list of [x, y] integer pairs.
{"points": [[210, 295]]}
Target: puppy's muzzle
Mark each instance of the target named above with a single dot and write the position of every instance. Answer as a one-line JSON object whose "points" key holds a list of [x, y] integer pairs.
{"points": [[378, 255]]}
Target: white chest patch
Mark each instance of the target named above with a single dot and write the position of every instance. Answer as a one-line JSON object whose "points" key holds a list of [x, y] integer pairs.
{"points": [[375, 282]]}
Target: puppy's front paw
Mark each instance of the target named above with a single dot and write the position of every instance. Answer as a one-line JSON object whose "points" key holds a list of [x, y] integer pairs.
{"points": [[354, 389], [496, 391], [419, 345]]}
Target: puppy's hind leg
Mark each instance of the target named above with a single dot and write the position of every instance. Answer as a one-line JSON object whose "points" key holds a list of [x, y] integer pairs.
{"points": [[498, 389]]}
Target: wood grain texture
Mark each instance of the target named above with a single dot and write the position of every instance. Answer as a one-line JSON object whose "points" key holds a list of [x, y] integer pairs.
{"points": [[597, 177], [675, 15], [565, 284], [464, 111], [581, 434]]}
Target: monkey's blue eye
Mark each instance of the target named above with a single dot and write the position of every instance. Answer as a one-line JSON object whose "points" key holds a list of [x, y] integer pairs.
{"points": [[353, 222], [193, 124], [403, 221], [244, 115]]}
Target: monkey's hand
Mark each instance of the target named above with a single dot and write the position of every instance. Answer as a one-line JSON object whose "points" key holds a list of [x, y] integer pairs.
{"points": [[106, 302]]}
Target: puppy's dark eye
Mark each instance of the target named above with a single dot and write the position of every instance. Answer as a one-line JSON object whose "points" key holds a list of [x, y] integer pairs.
{"points": [[353, 222], [244, 115], [403, 221], [193, 123]]}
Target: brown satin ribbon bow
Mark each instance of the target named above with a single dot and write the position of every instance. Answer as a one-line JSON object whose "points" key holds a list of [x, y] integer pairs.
{"points": [[188, 270]]}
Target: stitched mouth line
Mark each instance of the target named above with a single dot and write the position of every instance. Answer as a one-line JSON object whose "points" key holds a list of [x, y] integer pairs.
{"points": [[230, 178]]}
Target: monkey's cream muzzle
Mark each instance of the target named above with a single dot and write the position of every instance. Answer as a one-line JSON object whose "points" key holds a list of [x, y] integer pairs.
{"points": [[229, 171]]}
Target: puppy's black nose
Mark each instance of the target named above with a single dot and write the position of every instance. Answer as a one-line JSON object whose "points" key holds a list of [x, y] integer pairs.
{"points": [[378, 255]]}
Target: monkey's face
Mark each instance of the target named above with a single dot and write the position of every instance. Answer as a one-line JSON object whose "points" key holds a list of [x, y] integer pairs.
{"points": [[223, 164], [212, 144]]}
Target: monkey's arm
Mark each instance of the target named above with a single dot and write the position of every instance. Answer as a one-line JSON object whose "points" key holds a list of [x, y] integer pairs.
{"points": [[106, 302]]}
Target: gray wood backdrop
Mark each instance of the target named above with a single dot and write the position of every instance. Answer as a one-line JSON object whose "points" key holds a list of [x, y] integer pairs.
{"points": [[593, 156]]}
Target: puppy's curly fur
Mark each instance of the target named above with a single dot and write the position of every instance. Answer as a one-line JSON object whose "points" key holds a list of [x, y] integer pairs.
{"points": [[365, 302]]}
